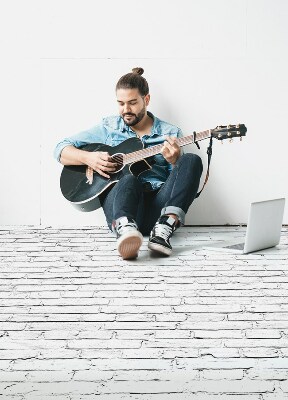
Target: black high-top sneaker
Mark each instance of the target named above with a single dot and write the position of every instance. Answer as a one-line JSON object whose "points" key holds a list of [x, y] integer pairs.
{"points": [[129, 239], [161, 233]]}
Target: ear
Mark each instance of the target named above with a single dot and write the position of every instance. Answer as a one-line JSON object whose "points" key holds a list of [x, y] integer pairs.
{"points": [[147, 99]]}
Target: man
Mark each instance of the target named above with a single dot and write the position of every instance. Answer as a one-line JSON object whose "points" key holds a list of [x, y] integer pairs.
{"points": [[156, 201]]}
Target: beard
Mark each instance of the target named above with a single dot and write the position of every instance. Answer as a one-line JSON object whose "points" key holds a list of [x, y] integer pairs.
{"points": [[134, 118]]}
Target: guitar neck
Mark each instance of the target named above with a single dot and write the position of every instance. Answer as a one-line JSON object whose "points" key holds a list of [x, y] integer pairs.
{"points": [[153, 150]]}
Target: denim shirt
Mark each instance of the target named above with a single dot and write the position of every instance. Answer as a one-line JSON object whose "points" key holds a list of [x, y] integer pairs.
{"points": [[113, 130]]}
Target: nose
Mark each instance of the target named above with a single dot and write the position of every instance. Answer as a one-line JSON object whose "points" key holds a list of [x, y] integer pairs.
{"points": [[126, 108]]}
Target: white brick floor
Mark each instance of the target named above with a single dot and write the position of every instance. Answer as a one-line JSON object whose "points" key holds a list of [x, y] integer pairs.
{"points": [[77, 322]]}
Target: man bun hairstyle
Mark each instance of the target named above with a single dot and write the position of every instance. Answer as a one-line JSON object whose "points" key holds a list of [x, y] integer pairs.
{"points": [[138, 70], [134, 80]]}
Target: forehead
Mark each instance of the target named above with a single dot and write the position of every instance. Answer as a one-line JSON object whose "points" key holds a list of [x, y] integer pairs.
{"points": [[127, 94]]}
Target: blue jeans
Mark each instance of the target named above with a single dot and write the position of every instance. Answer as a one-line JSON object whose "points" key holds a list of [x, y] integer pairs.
{"points": [[127, 198]]}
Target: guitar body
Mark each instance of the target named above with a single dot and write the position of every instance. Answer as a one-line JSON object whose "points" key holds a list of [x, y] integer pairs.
{"points": [[85, 196]]}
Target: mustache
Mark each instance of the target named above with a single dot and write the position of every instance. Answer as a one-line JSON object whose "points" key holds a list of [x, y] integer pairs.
{"points": [[129, 114]]}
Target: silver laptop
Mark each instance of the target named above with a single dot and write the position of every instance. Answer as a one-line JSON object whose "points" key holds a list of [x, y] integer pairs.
{"points": [[263, 228]]}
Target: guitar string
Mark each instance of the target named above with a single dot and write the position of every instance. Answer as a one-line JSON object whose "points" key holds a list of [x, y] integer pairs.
{"points": [[135, 156], [124, 159], [150, 151]]}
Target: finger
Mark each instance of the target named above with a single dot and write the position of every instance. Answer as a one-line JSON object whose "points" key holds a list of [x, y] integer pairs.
{"points": [[169, 139], [108, 169], [104, 161], [173, 142], [106, 157], [99, 167], [108, 164], [166, 144], [102, 173], [168, 147], [164, 150]]}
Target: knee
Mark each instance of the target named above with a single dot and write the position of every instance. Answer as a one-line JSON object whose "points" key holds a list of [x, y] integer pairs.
{"points": [[129, 181], [192, 160]]}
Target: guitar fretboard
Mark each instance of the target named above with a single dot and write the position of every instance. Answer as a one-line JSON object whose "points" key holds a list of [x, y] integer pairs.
{"points": [[151, 151]]}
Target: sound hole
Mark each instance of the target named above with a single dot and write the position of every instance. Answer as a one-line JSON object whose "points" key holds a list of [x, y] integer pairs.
{"points": [[118, 158]]}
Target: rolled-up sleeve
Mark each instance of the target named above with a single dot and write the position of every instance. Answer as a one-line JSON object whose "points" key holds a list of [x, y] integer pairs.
{"points": [[97, 134]]}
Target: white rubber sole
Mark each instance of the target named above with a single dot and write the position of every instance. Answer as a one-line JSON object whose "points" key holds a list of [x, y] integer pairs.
{"points": [[129, 244], [159, 248]]}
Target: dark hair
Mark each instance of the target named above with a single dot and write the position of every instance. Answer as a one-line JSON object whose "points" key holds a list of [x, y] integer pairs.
{"points": [[134, 80]]}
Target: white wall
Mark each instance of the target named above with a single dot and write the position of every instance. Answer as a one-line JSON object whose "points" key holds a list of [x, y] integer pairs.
{"points": [[207, 63]]}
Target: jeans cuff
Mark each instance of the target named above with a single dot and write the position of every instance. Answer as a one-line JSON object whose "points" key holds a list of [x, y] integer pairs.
{"points": [[174, 210]]}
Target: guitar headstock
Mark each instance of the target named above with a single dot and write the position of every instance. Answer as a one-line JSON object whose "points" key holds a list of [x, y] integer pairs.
{"points": [[228, 131]]}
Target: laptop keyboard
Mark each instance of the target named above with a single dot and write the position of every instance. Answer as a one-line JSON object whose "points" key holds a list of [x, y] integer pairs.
{"points": [[238, 246]]}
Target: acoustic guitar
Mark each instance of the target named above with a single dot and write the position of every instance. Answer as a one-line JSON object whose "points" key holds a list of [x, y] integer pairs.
{"points": [[82, 186]]}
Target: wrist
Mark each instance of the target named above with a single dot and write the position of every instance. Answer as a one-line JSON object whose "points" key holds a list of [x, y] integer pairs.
{"points": [[83, 156]]}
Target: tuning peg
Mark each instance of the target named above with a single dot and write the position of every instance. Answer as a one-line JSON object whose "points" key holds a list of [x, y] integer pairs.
{"points": [[240, 138], [231, 140]]}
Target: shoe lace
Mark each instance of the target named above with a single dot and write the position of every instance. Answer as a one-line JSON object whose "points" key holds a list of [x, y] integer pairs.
{"points": [[129, 226], [163, 230]]}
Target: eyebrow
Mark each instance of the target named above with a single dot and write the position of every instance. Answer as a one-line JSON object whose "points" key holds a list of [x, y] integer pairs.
{"points": [[121, 101]]}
